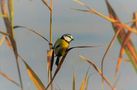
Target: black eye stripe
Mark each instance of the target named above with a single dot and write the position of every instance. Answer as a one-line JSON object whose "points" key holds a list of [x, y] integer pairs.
{"points": [[69, 36]]}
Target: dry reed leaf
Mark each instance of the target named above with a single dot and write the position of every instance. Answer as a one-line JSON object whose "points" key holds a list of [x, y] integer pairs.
{"points": [[37, 82], [79, 2], [99, 72], [9, 27], [82, 47], [124, 43], [33, 76], [112, 20], [107, 49], [84, 83], [119, 61], [33, 31], [46, 3], [81, 10], [8, 78], [93, 11], [122, 51], [129, 48], [135, 18], [129, 28]]}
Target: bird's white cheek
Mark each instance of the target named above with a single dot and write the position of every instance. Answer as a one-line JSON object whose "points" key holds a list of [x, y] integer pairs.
{"points": [[67, 39]]}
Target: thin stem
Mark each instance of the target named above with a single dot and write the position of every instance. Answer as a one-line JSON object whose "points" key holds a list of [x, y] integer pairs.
{"points": [[106, 51], [51, 6]]}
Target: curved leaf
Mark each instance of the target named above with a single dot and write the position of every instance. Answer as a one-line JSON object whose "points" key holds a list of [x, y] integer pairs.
{"points": [[33, 76]]}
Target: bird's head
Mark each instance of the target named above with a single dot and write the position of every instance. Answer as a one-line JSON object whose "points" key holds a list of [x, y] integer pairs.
{"points": [[67, 37]]}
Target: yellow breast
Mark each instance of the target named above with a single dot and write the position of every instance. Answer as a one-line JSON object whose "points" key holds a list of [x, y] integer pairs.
{"points": [[60, 47]]}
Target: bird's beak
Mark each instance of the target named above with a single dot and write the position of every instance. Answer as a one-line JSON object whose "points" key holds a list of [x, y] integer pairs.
{"points": [[72, 39]]}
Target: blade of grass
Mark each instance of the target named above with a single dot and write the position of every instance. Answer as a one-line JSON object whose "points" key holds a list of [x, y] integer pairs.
{"points": [[9, 27], [33, 76], [99, 71]]}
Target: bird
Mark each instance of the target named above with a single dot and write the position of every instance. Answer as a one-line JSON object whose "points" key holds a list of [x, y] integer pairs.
{"points": [[61, 45]]}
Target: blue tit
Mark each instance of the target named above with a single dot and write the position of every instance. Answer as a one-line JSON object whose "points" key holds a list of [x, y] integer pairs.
{"points": [[61, 45]]}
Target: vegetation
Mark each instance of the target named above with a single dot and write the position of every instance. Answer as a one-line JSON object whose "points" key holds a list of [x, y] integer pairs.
{"points": [[123, 32]]}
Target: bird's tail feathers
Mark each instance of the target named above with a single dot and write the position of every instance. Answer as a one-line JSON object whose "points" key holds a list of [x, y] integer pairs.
{"points": [[57, 60]]}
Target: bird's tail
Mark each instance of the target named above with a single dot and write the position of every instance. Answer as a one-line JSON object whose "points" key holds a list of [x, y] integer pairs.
{"points": [[57, 60]]}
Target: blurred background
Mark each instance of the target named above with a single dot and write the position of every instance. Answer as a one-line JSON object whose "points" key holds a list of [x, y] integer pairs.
{"points": [[87, 29]]}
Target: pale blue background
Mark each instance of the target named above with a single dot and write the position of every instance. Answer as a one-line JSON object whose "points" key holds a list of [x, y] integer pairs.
{"points": [[86, 28]]}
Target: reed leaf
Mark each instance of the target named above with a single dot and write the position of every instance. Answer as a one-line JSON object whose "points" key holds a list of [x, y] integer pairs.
{"points": [[124, 43], [79, 2], [46, 3], [99, 71], [110, 19], [33, 31], [84, 83], [8, 78], [107, 50], [33, 76], [129, 48], [9, 26]]}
